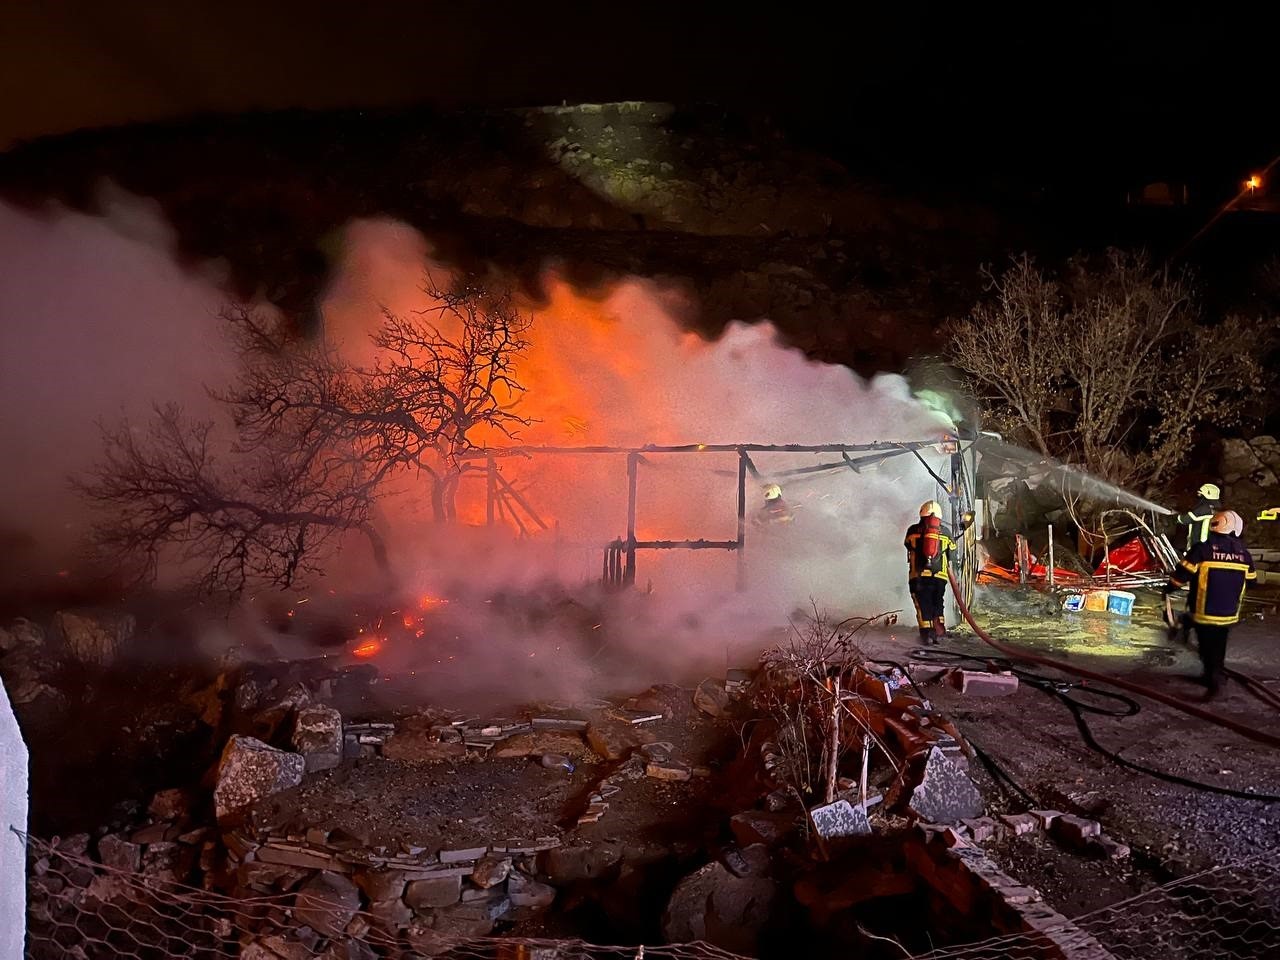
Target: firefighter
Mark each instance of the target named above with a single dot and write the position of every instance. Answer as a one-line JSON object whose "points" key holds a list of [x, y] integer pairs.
{"points": [[1217, 569], [775, 509], [928, 543], [1197, 519]]}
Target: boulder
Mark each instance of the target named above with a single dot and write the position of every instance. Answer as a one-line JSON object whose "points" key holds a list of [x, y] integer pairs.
{"points": [[95, 639], [390, 916], [711, 698], [317, 735], [326, 903], [22, 634], [712, 904], [945, 793], [436, 892], [250, 770], [839, 820], [167, 861]]}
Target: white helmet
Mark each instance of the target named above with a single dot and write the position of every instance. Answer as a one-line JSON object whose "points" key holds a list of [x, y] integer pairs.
{"points": [[1209, 491], [931, 508], [1227, 521], [772, 492]]}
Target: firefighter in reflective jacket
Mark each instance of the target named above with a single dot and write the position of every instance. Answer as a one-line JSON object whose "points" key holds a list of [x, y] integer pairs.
{"points": [[1217, 569], [928, 545], [1198, 518]]}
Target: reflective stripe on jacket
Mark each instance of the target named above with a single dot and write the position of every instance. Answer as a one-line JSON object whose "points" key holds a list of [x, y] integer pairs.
{"points": [[1218, 571]]}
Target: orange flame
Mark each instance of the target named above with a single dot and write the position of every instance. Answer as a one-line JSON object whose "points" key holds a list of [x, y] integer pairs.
{"points": [[368, 648]]}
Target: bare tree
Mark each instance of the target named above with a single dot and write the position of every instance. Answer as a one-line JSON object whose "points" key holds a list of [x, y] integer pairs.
{"points": [[317, 440], [1109, 366]]}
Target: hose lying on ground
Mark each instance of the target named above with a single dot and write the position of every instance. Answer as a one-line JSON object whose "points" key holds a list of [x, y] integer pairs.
{"points": [[1064, 692], [1025, 656]]}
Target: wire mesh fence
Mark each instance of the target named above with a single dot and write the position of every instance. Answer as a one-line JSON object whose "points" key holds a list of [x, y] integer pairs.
{"points": [[81, 909]]}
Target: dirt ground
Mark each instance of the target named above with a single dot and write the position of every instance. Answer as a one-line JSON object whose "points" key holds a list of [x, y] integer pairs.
{"points": [[1173, 829]]}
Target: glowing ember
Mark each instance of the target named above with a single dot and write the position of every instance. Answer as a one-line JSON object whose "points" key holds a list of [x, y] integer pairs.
{"points": [[427, 602], [367, 648]]}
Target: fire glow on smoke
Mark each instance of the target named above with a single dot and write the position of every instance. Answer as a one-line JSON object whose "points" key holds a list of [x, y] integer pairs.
{"points": [[616, 369]]}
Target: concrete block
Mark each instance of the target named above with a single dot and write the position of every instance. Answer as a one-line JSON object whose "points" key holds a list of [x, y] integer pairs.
{"points": [[978, 683], [1019, 824]]}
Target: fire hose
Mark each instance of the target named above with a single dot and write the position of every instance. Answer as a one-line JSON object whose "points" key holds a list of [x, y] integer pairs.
{"points": [[1017, 654]]}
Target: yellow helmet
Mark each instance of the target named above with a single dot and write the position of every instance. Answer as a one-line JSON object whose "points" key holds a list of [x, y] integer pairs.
{"points": [[772, 492], [931, 509], [1227, 521], [1209, 491]]}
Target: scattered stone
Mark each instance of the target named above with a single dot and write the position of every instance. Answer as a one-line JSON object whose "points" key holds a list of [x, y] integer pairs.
{"points": [[1075, 831], [438, 892], [659, 751], [417, 746], [95, 639], [490, 871], [489, 908], [712, 904], [778, 800], [1019, 824], [759, 826], [1019, 894], [268, 877], [524, 891], [711, 698], [981, 829], [945, 793], [326, 903], [317, 735], [250, 770], [120, 854], [541, 742], [839, 821], [668, 770], [461, 854]]}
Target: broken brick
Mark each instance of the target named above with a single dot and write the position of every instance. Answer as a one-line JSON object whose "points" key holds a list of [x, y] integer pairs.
{"points": [[667, 770], [981, 829], [1019, 824], [1074, 831], [1046, 817], [1107, 847]]}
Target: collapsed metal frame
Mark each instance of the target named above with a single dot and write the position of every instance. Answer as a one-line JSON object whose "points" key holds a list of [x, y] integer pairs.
{"points": [[620, 555]]}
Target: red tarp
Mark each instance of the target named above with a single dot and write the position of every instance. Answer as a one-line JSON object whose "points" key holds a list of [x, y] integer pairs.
{"points": [[1131, 556]]}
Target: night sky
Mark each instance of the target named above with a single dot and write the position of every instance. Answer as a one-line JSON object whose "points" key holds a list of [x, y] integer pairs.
{"points": [[1042, 92]]}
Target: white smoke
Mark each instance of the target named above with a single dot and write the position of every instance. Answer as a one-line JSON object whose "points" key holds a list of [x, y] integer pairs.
{"points": [[618, 370]]}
